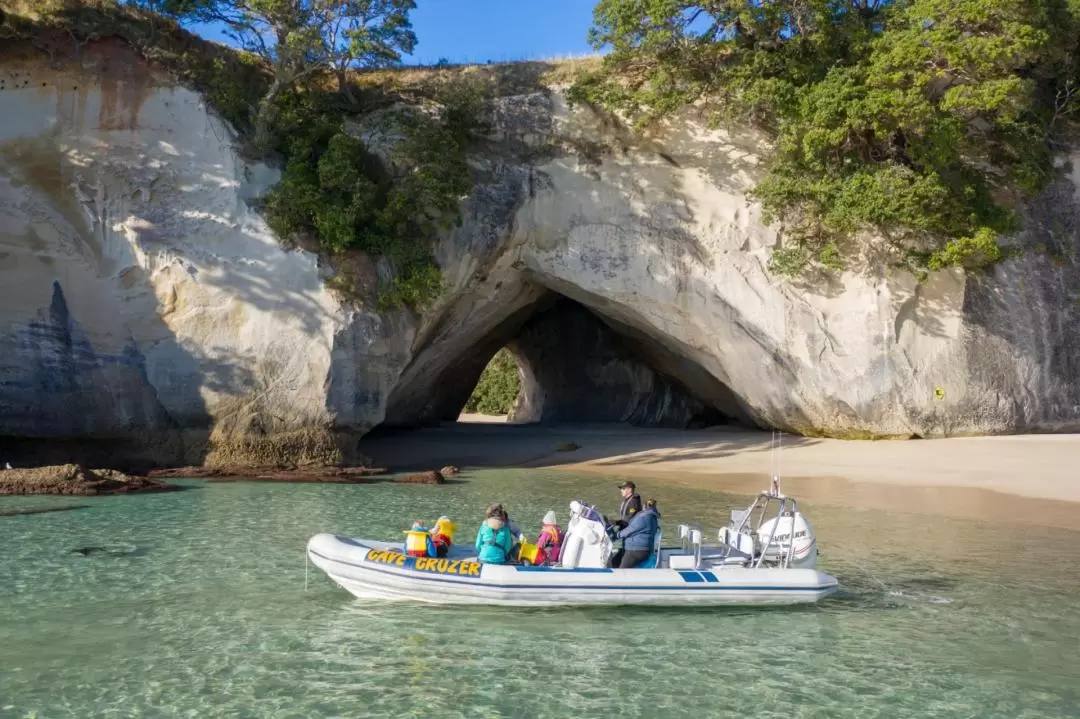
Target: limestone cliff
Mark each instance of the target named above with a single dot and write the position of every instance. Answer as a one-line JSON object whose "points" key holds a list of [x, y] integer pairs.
{"points": [[143, 302]]}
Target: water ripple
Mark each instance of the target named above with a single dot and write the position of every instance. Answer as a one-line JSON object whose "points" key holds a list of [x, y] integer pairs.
{"points": [[201, 612]]}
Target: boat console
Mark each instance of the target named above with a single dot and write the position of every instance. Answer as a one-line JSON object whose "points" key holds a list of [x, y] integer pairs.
{"points": [[585, 541]]}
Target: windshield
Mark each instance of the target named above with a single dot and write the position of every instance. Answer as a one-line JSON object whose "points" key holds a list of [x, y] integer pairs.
{"points": [[590, 512]]}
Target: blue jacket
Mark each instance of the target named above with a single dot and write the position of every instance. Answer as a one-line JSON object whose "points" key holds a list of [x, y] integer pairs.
{"points": [[640, 533], [493, 546]]}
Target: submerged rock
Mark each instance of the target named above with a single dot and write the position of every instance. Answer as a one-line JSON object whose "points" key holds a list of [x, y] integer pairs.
{"points": [[301, 475], [429, 477], [40, 510], [76, 480], [110, 550]]}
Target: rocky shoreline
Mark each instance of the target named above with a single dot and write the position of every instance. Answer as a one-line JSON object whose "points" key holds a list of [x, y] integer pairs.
{"points": [[298, 475], [74, 479]]}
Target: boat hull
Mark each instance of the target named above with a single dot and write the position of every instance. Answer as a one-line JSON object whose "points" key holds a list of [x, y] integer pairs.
{"points": [[378, 570]]}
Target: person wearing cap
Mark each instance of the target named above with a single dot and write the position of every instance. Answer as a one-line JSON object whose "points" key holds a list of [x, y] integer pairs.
{"points": [[631, 504]]}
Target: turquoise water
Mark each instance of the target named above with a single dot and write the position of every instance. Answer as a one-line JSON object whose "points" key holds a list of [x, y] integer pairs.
{"points": [[203, 613]]}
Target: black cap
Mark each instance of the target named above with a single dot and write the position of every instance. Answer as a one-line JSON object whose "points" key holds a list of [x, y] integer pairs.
{"points": [[627, 484]]}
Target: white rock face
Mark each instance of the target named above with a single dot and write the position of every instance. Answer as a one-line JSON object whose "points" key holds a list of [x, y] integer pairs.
{"points": [[140, 293], [140, 296], [660, 240]]}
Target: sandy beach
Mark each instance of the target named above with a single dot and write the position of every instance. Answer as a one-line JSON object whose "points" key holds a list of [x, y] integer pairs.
{"points": [[991, 477]]}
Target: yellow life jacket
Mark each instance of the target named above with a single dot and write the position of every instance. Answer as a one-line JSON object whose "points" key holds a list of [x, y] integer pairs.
{"points": [[445, 527], [528, 552], [416, 543]]}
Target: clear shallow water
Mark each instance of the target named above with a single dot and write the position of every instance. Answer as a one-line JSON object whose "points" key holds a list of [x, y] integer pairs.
{"points": [[208, 616]]}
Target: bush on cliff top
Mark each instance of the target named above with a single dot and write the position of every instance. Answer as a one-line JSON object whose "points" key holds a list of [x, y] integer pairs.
{"points": [[335, 188], [498, 387], [927, 121]]}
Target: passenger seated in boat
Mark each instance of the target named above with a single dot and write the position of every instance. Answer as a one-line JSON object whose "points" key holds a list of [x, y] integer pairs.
{"points": [[515, 533], [494, 542], [550, 540], [418, 541], [638, 537], [442, 536]]}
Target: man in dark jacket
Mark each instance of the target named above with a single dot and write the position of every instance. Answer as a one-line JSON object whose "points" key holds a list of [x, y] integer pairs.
{"points": [[639, 537], [631, 504]]}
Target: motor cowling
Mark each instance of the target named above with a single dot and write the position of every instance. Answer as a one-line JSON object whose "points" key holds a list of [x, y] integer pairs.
{"points": [[789, 534]]}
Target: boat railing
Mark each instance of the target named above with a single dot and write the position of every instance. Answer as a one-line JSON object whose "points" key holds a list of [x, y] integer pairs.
{"points": [[787, 507], [742, 522], [690, 536], [685, 531]]}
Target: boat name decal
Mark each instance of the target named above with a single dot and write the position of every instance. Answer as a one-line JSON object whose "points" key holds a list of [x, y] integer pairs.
{"points": [[784, 537], [426, 564]]}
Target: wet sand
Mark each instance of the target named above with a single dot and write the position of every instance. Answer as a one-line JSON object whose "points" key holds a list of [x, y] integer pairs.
{"points": [[1020, 477]]}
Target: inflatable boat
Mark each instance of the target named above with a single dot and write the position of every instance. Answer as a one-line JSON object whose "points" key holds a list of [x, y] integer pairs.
{"points": [[770, 561]]}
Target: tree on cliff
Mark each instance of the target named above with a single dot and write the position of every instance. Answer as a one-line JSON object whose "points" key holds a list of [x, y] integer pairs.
{"points": [[928, 121], [301, 38]]}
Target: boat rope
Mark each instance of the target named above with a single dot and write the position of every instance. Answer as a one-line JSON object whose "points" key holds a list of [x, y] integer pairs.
{"points": [[307, 561]]}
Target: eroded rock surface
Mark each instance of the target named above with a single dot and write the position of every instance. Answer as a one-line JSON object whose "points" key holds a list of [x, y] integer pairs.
{"points": [[75, 480], [145, 306]]}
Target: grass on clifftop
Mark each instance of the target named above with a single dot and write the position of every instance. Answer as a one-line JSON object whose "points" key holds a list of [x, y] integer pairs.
{"points": [[386, 197], [498, 387]]}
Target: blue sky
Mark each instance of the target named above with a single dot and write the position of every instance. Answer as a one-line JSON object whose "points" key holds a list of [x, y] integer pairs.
{"points": [[476, 31]]}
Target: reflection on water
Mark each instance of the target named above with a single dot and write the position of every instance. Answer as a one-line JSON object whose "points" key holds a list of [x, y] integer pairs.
{"points": [[209, 617]]}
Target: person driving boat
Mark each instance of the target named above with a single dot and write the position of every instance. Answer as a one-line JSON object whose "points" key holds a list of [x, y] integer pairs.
{"points": [[631, 504]]}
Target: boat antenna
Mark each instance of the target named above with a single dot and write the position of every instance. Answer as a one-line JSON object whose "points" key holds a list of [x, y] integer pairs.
{"points": [[777, 440]]}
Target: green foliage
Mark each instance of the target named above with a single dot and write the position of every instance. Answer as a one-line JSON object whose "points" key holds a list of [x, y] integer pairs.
{"points": [[336, 190], [788, 261], [300, 38], [227, 91], [498, 387], [924, 120]]}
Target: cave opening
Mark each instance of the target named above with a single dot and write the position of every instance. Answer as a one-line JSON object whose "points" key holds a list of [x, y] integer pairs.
{"points": [[557, 361], [496, 391]]}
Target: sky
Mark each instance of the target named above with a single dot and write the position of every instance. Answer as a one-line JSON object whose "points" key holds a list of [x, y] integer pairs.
{"points": [[478, 31]]}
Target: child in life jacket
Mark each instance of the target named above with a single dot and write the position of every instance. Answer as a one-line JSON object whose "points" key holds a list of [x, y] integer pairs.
{"points": [[442, 536], [418, 541], [550, 540]]}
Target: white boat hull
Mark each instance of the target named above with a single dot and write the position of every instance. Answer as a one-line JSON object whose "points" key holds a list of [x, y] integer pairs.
{"points": [[378, 570]]}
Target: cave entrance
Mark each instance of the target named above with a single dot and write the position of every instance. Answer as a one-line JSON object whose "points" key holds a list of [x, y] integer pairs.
{"points": [[556, 361], [496, 392]]}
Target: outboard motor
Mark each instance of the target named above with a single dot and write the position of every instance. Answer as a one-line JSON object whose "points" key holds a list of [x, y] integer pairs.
{"points": [[788, 534], [585, 543]]}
